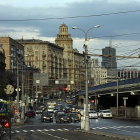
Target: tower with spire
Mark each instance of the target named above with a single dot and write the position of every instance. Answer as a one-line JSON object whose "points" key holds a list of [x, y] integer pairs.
{"points": [[64, 40]]}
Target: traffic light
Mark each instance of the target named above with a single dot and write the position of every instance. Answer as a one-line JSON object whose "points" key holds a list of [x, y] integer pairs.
{"points": [[92, 99]]}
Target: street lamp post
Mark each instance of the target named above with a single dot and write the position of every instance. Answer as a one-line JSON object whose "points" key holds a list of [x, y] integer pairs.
{"points": [[86, 115], [17, 83], [117, 98]]}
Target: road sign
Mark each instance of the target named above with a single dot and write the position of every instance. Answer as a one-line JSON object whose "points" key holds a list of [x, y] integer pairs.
{"points": [[125, 98], [9, 89]]}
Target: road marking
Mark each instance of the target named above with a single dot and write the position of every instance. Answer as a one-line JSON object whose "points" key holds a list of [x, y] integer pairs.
{"points": [[52, 130], [45, 130], [24, 130], [39, 130], [115, 127], [66, 129], [60, 129], [32, 130]]}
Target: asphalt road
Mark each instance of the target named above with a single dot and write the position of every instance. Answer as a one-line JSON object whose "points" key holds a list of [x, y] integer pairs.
{"points": [[101, 129]]}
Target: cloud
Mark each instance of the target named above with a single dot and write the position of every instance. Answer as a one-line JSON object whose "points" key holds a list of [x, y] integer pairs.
{"points": [[114, 24], [111, 24]]}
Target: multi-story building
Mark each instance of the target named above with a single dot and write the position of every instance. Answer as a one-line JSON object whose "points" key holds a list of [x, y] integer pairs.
{"points": [[109, 62], [109, 58], [79, 71], [63, 65], [128, 73], [14, 53], [98, 73], [64, 40], [47, 57], [73, 60], [2, 59]]}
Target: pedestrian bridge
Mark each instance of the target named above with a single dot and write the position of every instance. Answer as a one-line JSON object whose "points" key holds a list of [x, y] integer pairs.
{"points": [[106, 94], [129, 86]]}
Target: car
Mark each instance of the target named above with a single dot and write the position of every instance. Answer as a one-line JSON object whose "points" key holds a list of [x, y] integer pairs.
{"points": [[47, 116], [74, 117], [30, 114], [106, 114], [93, 114], [39, 111], [62, 118]]}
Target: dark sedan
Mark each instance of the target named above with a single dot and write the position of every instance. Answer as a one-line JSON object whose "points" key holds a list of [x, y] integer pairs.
{"points": [[47, 116], [62, 118], [30, 114], [74, 117]]}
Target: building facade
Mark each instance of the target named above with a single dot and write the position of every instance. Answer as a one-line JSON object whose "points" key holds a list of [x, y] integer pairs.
{"points": [[74, 67], [109, 58], [48, 58], [2, 59], [98, 73], [63, 65], [14, 53], [128, 73], [64, 40]]}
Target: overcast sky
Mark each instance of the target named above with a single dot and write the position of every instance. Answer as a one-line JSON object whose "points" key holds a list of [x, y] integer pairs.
{"points": [[107, 13]]}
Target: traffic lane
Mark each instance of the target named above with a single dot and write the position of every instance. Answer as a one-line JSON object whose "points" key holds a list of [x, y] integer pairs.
{"points": [[68, 135], [45, 127], [113, 122], [122, 127], [123, 130]]}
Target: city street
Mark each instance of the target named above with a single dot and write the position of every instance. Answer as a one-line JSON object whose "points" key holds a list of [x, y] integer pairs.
{"points": [[34, 129]]}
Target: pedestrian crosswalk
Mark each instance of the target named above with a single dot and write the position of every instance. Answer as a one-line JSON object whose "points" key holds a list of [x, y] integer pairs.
{"points": [[38, 130], [114, 127], [65, 129]]}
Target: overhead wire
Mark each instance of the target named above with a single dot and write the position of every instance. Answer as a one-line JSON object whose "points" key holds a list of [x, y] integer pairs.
{"points": [[70, 17]]}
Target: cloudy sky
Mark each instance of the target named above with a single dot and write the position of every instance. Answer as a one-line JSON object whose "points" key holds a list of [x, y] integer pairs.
{"points": [[40, 19]]}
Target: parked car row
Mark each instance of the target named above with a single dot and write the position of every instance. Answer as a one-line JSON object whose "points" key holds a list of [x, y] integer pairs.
{"points": [[101, 114]]}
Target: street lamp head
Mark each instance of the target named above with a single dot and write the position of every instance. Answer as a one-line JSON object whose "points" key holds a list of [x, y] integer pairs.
{"points": [[74, 27], [97, 26]]}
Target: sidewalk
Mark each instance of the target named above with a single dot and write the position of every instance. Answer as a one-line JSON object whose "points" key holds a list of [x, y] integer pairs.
{"points": [[21, 121]]}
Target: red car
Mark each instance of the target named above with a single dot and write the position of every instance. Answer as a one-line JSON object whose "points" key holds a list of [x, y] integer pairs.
{"points": [[30, 114]]}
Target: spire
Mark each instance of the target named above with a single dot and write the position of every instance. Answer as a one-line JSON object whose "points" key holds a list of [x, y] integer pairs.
{"points": [[110, 43]]}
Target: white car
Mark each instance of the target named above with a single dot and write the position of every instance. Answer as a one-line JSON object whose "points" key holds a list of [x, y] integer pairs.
{"points": [[93, 114], [106, 114]]}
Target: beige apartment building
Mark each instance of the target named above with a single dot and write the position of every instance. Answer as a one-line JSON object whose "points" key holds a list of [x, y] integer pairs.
{"points": [[98, 73], [46, 56], [63, 65], [2, 59], [73, 60], [14, 53]]}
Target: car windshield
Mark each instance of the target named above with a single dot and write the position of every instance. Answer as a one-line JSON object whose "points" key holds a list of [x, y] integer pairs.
{"points": [[73, 115], [62, 115], [92, 112], [106, 111]]}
